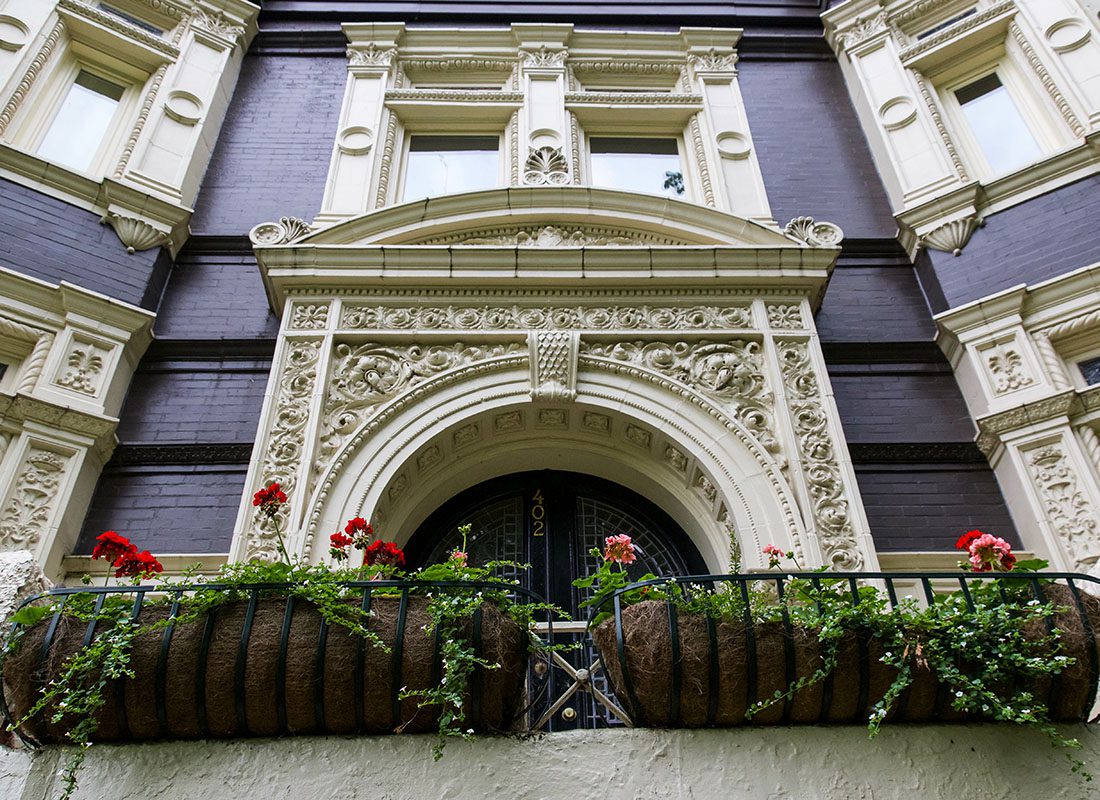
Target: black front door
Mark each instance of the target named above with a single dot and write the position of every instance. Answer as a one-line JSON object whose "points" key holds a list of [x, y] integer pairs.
{"points": [[552, 520]]}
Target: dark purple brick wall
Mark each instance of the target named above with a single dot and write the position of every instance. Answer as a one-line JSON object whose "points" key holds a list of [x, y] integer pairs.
{"points": [[205, 402], [869, 302], [215, 297], [811, 148], [903, 403], [273, 153], [926, 508], [54, 241], [176, 509], [1043, 238]]}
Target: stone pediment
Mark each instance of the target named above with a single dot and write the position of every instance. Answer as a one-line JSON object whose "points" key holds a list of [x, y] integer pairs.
{"points": [[569, 216]]}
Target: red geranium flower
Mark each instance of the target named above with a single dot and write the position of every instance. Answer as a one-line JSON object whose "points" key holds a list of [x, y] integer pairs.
{"points": [[111, 546], [964, 541], [137, 565], [269, 499], [386, 553], [339, 543], [358, 525]]}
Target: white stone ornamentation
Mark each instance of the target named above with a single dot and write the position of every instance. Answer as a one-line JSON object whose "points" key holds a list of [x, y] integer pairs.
{"points": [[951, 237], [543, 57], [366, 376], [553, 364], [286, 446], [1008, 372], [309, 316], [730, 372], [546, 166], [815, 234], [83, 366], [136, 234], [820, 462], [26, 516], [596, 317], [287, 229], [785, 316], [713, 61], [371, 55], [1070, 514]]}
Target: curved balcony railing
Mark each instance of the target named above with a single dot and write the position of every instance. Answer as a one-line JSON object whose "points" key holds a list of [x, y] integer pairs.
{"points": [[555, 679]]}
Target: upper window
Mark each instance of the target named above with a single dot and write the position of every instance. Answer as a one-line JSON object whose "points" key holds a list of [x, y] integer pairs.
{"points": [[79, 127], [637, 164], [1090, 369], [438, 165], [997, 124]]}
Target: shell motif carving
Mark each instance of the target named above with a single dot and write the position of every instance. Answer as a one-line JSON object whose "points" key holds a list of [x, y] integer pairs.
{"points": [[953, 236], [815, 234], [135, 233], [546, 166], [287, 229]]}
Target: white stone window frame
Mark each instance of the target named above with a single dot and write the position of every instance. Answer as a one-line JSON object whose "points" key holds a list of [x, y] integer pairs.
{"points": [[940, 204], [44, 108], [688, 168], [1039, 115], [106, 46]]}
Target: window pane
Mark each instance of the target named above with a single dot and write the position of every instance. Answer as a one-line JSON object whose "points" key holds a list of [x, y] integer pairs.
{"points": [[637, 165], [998, 124], [448, 164], [78, 129], [1091, 370]]}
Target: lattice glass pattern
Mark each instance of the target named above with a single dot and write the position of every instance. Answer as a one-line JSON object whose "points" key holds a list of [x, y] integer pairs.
{"points": [[497, 534], [595, 521]]}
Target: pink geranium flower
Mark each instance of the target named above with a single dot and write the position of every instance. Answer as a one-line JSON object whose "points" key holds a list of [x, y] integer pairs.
{"points": [[619, 549]]}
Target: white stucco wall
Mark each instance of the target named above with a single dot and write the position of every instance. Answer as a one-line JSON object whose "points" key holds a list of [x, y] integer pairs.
{"points": [[839, 763]]}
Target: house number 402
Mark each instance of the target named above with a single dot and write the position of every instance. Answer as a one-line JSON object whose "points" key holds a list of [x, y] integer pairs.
{"points": [[538, 514]]}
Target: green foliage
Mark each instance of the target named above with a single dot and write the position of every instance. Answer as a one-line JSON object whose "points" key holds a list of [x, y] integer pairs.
{"points": [[451, 611], [77, 694], [989, 647]]}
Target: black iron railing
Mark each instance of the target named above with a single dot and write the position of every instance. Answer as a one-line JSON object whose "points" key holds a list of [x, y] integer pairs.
{"points": [[367, 592], [546, 670], [780, 582]]}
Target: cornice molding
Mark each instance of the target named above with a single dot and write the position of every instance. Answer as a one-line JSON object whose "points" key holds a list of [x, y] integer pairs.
{"points": [[916, 453], [129, 455]]}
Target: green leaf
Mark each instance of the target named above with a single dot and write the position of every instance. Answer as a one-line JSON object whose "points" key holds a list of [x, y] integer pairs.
{"points": [[1031, 565], [31, 615]]}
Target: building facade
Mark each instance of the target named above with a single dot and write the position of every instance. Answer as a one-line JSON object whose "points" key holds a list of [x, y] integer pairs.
{"points": [[820, 275]]}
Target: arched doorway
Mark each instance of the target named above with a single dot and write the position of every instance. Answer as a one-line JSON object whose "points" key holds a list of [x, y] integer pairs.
{"points": [[552, 520]]}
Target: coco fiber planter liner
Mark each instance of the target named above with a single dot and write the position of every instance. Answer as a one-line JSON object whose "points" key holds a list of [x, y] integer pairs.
{"points": [[721, 663], [292, 675]]}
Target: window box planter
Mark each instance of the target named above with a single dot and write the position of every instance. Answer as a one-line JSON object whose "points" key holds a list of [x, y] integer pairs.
{"points": [[675, 669], [268, 665]]}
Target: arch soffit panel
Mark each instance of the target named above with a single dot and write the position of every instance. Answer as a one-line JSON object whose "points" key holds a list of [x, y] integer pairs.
{"points": [[711, 473]]}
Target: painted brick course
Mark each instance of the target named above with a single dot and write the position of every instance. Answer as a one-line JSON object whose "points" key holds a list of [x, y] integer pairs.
{"points": [[1043, 238], [273, 153], [176, 509], [812, 151], [882, 403], [926, 508], [868, 302], [215, 297], [54, 241], [211, 402]]}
